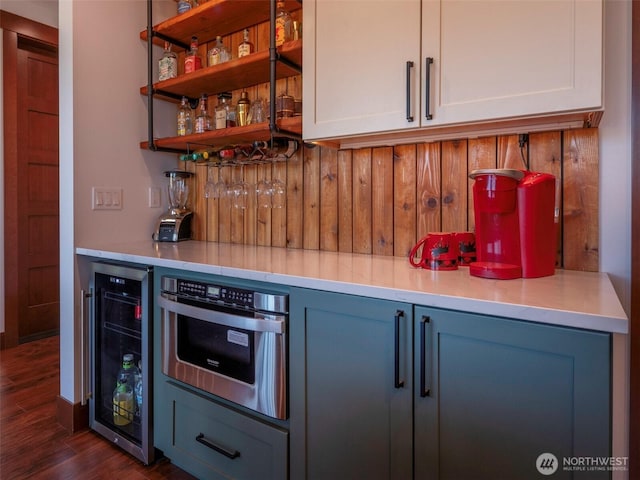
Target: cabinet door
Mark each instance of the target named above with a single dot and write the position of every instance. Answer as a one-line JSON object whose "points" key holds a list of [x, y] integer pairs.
{"points": [[355, 58], [508, 59], [503, 392], [350, 412]]}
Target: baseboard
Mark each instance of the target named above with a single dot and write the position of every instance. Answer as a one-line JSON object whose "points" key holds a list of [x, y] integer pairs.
{"points": [[74, 417]]}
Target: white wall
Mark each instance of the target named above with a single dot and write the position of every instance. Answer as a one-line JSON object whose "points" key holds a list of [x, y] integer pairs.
{"points": [[43, 11], [615, 199], [103, 118]]}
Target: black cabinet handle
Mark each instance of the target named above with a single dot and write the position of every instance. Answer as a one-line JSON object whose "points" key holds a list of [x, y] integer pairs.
{"points": [[427, 86], [424, 391], [409, 77], [208, 443], [397, 383]]}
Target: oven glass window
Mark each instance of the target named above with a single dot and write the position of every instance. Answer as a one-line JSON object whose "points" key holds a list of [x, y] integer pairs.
{"points": [[225, 350]]}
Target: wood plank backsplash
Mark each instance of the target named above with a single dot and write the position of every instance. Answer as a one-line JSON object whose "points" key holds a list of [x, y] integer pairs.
{"points": [[382, 200]]}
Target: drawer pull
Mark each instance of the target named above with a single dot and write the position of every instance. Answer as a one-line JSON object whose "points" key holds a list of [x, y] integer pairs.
{"points": [[208, 443]]}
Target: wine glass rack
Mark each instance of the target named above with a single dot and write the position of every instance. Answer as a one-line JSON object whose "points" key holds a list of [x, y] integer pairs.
{"points": [[259, 152]]}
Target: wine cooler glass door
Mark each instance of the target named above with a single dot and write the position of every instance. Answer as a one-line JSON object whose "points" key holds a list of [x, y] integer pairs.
{"points": [[120, 352], [118, 332]]}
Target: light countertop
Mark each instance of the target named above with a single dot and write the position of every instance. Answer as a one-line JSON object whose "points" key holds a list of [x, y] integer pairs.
{"points": [[569, 298]]}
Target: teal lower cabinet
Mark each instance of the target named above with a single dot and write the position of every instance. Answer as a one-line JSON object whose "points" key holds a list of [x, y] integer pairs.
{"points": [[495, 394], [351, 388], [211, 441], [391, 391]]}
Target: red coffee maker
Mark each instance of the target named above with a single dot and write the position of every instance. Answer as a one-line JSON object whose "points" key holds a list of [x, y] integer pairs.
{"points": [[514, 213]]}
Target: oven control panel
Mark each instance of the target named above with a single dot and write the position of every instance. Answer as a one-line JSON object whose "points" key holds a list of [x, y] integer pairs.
{"points": [[206, 291], [224, 294]]}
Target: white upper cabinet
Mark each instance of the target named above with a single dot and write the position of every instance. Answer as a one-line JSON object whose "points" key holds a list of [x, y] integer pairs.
{"points": [[493, 61], [354, 60], [506, 58]]}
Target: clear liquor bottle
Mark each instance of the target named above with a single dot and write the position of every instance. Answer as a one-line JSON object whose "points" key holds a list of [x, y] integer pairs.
{"points": [[185, 6], [203, 119], [192, 60], [185, 118], [219, 53], [246, 47], [168, 64], [223, 112], [284, 27]]}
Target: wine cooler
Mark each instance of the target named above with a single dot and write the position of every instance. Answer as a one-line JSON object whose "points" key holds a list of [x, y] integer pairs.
{"points": [[120, 339]]}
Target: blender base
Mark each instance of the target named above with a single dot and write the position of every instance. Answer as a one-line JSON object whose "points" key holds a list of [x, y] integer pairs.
{"points": [[173, 227]]}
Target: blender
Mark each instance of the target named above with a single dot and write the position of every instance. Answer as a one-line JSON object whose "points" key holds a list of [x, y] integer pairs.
{"points": [[175, 224]]}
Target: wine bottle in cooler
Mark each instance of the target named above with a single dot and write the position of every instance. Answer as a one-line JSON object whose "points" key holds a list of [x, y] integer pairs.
{"points": [[123, 396]]}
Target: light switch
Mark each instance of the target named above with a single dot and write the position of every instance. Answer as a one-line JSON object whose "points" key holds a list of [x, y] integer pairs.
{"points": [[105, 198]]}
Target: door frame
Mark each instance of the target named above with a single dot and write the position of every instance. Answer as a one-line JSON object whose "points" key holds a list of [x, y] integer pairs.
{"points": [[634, 329], [14, 28]]}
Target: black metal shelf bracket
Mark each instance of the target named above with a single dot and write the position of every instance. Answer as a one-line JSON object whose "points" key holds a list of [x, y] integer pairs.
{"points": [[167, 38], [150, 140]]}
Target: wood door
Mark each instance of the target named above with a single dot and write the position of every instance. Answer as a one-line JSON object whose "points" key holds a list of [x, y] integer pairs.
{"points": [[31, 256], [37, 181]]}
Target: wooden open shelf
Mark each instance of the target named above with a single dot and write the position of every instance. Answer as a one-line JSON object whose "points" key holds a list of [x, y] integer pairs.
{"points": [[216, 17], [227, 136], [231, 75]]}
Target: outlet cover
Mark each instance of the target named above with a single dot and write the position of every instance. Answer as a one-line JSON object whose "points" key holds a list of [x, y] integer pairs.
{"points": [[154, 197]]}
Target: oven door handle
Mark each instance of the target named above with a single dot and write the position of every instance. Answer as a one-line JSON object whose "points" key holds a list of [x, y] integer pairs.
{"points": [[274, 323]]}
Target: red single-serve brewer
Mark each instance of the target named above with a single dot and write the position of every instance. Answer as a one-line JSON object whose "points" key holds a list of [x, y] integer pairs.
{"points": [[515, 224]]}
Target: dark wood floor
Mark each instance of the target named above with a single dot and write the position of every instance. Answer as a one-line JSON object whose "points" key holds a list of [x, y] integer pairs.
{"points": [[33, 445]]}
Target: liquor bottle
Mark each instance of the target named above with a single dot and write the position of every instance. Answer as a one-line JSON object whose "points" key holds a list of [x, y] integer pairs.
{"points": [[192, 60], [185, 118], [223, 115], [185, 6], [279, 146], [123, 396], [218, 53], [242, 109], [203, 119], [168, 64], [200, 156], [283, 25], [246, 47]]}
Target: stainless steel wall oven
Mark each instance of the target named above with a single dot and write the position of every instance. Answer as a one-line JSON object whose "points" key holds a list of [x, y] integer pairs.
{"points": [[228, 341]]}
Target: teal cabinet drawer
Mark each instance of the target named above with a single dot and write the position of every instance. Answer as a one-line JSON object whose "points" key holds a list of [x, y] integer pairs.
{"points": [[213, 442]]}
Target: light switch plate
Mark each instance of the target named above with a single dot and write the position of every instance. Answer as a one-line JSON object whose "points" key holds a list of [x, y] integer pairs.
{"points": [[106, 198], [154, 197]]}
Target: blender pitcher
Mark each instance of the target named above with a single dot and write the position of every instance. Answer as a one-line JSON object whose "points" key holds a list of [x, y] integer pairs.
{"points": [[175, 224]]}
